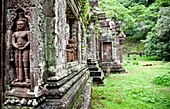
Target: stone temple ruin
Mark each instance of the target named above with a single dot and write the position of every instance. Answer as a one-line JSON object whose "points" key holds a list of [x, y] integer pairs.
{"points": [[50, 56]]}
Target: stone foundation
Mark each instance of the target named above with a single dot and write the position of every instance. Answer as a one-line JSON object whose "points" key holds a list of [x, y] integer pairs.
{"points": [[113, 66], [62, 93]]}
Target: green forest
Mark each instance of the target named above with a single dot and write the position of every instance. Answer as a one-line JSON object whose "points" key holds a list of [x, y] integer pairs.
{"points": [[146, 22]]}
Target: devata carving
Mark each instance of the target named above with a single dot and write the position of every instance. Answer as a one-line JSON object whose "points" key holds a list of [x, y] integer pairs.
{"points": [[21, 45], [70, 51]]}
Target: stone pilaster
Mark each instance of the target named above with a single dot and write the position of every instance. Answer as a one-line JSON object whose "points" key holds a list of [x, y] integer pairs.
{"points": [[79, 56], [60, 31], [91, 41]]}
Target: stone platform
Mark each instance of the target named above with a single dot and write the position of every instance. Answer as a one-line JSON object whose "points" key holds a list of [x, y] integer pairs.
{"points": [[114, 67], [20, 96]]}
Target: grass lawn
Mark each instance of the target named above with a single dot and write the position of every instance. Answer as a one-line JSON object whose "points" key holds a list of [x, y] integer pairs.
{"points": [[135, 89]]}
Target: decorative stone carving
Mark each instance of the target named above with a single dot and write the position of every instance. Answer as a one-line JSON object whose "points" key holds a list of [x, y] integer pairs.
{"points": [[74, 38], [70, 51], [26, 4], [23, 3], [22, 91], [21, 45]]}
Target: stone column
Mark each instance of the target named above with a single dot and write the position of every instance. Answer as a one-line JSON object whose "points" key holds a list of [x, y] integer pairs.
{"points": [[121, 41], [74, 36], [117, 50], [49, 40], [117, 31], [97, 48], [83, 44], [60, 39], [79, 43], [92, 42], [101, 50], [36, 45], [113, 52]]}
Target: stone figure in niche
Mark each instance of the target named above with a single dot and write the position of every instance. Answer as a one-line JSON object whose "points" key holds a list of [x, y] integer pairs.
{"points": [[21, 45], [70, 50]]}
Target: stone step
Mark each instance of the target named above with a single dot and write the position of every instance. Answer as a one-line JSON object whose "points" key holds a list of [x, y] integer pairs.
{"points": [[91, 63], [108, 63], [94, 69], [95, 73], [98, 80]]}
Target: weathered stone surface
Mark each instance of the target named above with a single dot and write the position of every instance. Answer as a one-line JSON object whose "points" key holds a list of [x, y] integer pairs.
{"points": [[26, 94], [114, 67], [91, 41], [84, 101], [68, 92], [110, 42], [67, 83], [43, 106], [95, 71], [58, 79]]}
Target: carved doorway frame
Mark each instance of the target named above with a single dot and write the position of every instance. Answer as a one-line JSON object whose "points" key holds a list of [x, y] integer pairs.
{"points": [[106, 51]]}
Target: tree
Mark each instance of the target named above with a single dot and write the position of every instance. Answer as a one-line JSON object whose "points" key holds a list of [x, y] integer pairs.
{"points": [[128, 3], [118, 11], [158, 40], [145, 18]]}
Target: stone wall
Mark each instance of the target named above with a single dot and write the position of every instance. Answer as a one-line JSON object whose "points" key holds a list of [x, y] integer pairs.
{"points": [[55, 82]]}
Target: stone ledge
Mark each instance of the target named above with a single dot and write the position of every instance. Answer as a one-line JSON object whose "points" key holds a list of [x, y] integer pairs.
{"points": [[43, 106], [20, 84], [69, 71], [87, 95], [84, 101], [59, 92], [57, 83], [66, 102]]}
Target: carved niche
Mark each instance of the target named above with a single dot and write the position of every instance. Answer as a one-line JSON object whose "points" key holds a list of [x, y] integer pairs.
{"points": [[21, 46]]}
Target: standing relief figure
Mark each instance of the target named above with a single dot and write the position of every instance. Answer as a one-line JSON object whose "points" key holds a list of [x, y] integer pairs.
{"points": [[21, 45]]}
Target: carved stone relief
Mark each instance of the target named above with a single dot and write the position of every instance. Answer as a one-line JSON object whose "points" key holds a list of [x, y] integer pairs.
{"points": [[21, 46]]}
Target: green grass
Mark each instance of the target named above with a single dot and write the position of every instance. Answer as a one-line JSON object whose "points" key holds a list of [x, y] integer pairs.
{"points": [[135, 89]]}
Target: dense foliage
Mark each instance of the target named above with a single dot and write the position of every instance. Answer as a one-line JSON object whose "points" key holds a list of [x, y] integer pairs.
{"points": [[158, 40], [141, 18]]}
